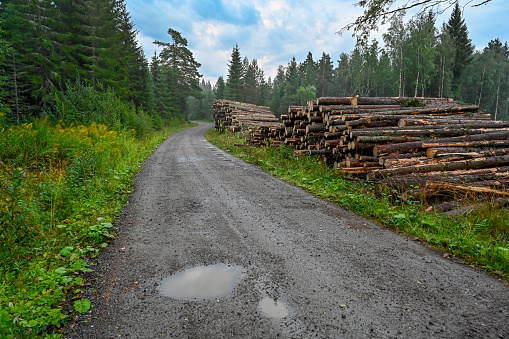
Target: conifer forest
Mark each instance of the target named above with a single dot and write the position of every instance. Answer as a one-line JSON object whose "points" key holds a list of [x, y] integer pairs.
{"points": [[82, 107], [415, 59]]}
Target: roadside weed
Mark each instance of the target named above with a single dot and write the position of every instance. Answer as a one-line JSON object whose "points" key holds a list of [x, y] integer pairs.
{"points": [[61, 189]]}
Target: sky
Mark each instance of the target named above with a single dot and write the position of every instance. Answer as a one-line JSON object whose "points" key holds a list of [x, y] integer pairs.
{"points": [[274, 31]]}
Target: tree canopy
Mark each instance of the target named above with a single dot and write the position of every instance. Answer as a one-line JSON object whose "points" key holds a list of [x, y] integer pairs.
{"points": [[377, 12]]}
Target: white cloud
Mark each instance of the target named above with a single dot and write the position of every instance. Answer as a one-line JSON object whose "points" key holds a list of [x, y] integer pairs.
{"points": [[284, 28]]}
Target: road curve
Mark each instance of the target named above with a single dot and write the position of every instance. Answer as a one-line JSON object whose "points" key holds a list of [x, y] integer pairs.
{"points": [[333, 274]]}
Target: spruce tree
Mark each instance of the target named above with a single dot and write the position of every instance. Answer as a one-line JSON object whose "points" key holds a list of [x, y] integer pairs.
{"points": [[325, 75], [463, 48], [219, 88], [308, 73], [234, 79]]}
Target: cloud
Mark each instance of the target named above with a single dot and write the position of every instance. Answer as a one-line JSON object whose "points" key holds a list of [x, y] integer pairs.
{"points": [[272, 31]]}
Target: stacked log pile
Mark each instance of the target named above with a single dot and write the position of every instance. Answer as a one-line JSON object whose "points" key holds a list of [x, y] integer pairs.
{"points": [[238, 116], [438, 146], [441, 145]]}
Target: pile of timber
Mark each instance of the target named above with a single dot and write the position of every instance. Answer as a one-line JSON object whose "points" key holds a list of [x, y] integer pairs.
{"points": [[239, 116], [439, 148], [441, 145]]}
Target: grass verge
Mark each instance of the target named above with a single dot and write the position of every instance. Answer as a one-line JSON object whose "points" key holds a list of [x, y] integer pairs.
{"points": [[481, 237], [61, 188]]}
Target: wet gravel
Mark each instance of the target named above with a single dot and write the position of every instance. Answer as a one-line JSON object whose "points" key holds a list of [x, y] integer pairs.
{"points": [[310, 268]]}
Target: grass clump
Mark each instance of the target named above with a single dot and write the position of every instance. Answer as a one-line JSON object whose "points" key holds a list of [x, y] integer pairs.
{"points": [[480, 237], [61, 187]]}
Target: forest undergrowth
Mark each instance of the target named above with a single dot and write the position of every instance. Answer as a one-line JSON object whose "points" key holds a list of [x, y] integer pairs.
{"points": [[479, 238], [62, 186]]}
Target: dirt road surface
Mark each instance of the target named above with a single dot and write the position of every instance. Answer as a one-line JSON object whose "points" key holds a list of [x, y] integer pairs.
{"points": [[299, 266]]}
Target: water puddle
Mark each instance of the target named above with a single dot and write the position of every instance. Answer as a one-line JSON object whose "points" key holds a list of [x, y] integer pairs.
{"points": [[203, 282], [272, 308]]}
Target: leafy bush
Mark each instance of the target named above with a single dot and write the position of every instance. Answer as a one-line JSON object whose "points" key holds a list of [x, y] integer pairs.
{"points": [[82, 104]]}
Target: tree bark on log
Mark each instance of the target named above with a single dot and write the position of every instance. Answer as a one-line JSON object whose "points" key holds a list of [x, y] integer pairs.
{"points": [[470, 189], [334, 101], [316, 128], [448, 166], [418, 145], [336, 108], [466, 122], [468, 152]]}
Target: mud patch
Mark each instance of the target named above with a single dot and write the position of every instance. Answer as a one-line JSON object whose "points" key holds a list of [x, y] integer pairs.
{"points": [[203, 282]]}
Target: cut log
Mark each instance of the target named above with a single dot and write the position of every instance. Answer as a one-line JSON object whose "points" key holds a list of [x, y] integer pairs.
{"points": [[320, 151], [467, 122], [316, 128], [336, 108], [358, 170], [445, 132], [470, 189], [481, 143], [334, 101], [385, 138], [448, 166], [446, 206], [443, 142], [468, 152]]}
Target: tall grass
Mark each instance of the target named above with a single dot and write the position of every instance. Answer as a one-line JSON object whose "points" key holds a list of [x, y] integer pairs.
{"points": [[61, 187], [480, 237]]}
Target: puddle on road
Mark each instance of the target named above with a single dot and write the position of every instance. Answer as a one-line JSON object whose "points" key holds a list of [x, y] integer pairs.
{"points": [[272, 308], [203, 282]]}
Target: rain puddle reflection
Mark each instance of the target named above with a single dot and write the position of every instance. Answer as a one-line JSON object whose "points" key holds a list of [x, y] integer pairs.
{"points": [[203, 282], [272, 308]]}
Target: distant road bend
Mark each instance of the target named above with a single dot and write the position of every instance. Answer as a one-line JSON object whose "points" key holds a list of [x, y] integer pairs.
{"points": [[212, 247]]}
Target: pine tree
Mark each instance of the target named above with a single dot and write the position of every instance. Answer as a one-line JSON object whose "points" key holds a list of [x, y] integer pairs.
{"points": [[249, 81], [163, 98], [308, 71], [325, 75], [463, 48], [31, 67], [134, 62], [278, 87], [182, 76], [219, 88], [291, 85], [234, 83], [72, 28], [343, 80]]}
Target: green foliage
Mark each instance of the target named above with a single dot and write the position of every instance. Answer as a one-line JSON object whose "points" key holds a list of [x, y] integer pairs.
{"points": [[82, 305], [304, 94], [177, 70], [51, 43], [234, 80], [82, 104], [463, 48], [61, 188], [413, 103], [480, 237], [220, 88]]}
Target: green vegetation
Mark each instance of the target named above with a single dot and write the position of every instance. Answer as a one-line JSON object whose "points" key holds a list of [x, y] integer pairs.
{"points": [[61, 188], [480, 237], [80, 110]]}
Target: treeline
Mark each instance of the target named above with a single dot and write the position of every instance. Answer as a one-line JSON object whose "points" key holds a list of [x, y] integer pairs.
{"points": [[418, 59], [52, 53]]}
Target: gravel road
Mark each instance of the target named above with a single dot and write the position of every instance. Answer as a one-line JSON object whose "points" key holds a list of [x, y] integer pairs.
{"points": [[279, 263]]}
